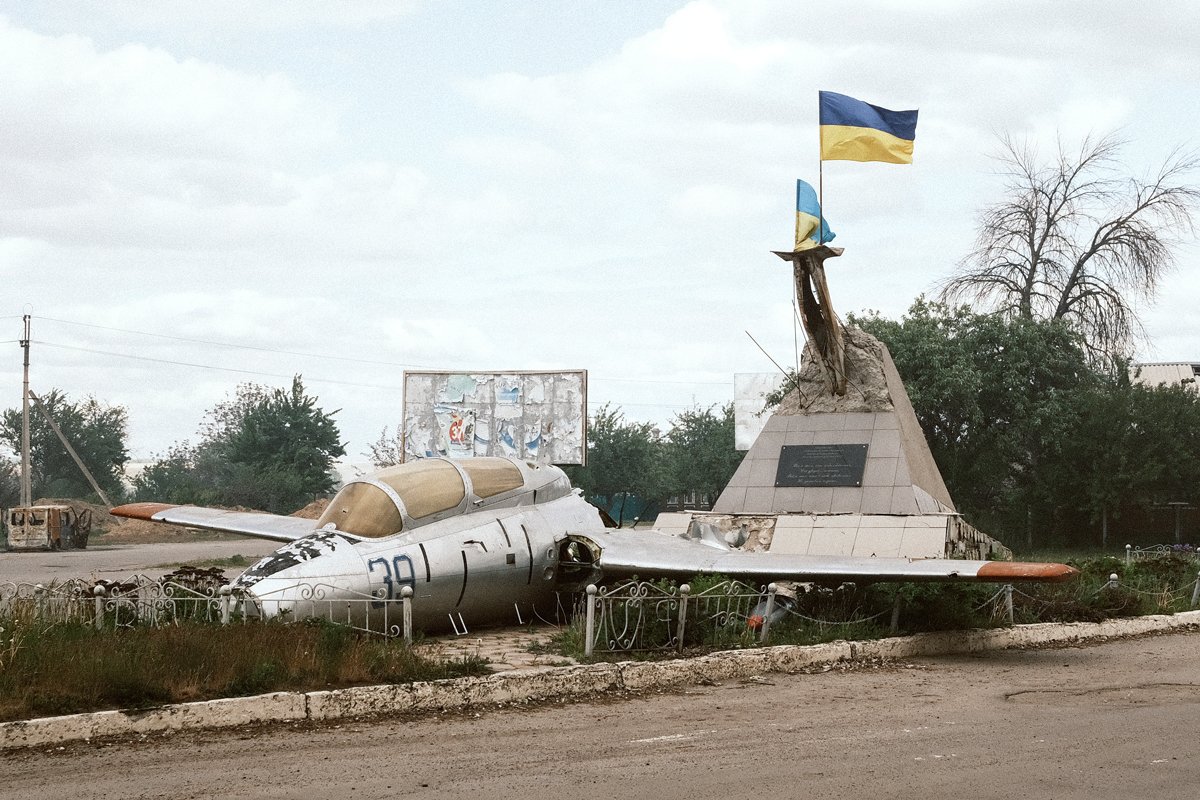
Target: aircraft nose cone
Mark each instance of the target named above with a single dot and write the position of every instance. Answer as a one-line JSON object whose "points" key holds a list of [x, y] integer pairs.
{"points": [[314, 568]]}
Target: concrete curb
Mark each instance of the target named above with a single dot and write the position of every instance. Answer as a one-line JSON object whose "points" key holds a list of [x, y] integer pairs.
{"points": [[548, 683]]}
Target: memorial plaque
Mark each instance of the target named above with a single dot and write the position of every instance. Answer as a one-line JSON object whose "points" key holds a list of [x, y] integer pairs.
{"points": [[821, 465]]}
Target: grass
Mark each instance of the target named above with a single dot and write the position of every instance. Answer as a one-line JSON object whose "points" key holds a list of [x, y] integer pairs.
{"points": [[68, 669], [1152, 586]]}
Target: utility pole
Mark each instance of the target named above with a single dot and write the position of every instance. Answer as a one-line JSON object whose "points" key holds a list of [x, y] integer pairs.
{"points": [[26, 490]]}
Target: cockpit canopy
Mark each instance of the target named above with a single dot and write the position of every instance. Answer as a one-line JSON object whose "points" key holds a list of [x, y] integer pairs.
{"points": [[424, 488]]}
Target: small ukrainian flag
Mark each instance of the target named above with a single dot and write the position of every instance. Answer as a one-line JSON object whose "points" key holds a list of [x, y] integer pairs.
{"points": [[808, 218], [852, 130]]}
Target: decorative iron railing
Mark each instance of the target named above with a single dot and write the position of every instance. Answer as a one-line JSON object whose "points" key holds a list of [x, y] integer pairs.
{"points": [[640, 615], [155, 602], [1160, 551]]}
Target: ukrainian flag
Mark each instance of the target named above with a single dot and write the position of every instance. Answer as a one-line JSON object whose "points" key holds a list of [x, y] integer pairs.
{"points": [[808, 218], [852, 130]]}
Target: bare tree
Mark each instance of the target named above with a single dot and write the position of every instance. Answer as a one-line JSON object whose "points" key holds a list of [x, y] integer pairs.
{"points": [[1076, 240]]}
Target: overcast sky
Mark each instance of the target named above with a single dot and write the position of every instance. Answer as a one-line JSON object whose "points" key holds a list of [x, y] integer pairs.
{"points": [[197, 194]]}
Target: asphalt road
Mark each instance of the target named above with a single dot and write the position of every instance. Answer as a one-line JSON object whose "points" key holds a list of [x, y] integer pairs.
{"points": [[1117, 720], [117, 561]]}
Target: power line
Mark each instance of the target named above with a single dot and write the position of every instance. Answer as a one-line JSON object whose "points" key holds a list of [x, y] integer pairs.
{"points": [[234, 345], [280, 351], [210, 366], [279, 375]]}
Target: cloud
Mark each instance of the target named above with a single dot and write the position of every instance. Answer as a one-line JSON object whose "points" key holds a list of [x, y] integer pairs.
{"points": [[217, 16]]}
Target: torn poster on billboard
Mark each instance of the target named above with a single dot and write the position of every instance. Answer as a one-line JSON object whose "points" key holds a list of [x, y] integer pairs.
{"points": [[537, 416]]}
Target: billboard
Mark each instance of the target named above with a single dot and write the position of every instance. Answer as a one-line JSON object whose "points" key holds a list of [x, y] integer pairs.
{"points": [[537, 416]]}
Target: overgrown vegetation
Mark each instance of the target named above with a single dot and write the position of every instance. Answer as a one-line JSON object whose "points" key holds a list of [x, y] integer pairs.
{"points": [[852, 612], [67, 669], [1039, 445]]}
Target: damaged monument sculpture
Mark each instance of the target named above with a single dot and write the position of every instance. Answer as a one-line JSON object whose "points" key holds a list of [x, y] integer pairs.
{"points": [[841, 468]]}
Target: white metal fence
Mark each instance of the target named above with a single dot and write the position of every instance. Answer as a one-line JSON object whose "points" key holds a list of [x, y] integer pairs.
{"points": [[154, 602], [640, 615]]}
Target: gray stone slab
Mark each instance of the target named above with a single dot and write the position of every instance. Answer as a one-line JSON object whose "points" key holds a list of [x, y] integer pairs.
{"points": [[860, 421], [776, 422], [903, 477], [826, 422], [832, 541], [731, 501], [879, 542], [767, 444], [788, 500], [818, 499], [903, 501], [759, 500], [879, 471], [799, 437], [762, 472], [792, 540], [846, 500], [887, 420], [885, 443], [876, 500]]}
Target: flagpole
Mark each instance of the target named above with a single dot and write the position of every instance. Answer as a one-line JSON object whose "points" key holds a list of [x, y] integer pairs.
{"points": [[820, 180], [820, 200]]}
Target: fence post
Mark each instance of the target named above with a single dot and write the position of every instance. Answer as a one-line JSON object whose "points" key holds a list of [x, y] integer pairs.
{"points": [[1128, 554], [1113, 581], [896, 614], [684, 591], [39, 594], [99, 593], [590, 626], [1196, 592], [766, 626], [226, 593], [406, 594], [1008, 604], [386, 605]]}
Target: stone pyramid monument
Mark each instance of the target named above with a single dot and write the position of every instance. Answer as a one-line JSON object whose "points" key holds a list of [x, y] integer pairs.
{"points": [[841, 467]]}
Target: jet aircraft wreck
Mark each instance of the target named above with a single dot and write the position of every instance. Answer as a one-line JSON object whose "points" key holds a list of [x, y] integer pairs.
{"points": [[494, 539]]}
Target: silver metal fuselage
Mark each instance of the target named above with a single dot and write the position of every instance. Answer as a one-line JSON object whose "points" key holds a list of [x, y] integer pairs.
{"points": [[494, 564]]}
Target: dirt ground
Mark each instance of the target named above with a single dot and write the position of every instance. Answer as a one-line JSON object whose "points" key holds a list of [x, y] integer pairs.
{"points": [[1113, 720]]}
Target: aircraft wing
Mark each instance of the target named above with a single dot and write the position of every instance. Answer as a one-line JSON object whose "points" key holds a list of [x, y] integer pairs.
{"points": [[624, 553], [257, 524]]}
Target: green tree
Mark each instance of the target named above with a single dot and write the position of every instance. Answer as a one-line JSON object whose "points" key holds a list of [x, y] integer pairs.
{"points": [[97, 432], [623, 459], [269, 449], [998, 400], [179, 476], [10, 483], [699, 453]]}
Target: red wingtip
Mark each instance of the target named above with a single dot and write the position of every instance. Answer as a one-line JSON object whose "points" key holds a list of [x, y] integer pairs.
{"points": [[144, 511], [1026, 571]]}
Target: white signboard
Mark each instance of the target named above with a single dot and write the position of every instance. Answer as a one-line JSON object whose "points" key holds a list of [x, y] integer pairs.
{"points": [[750, 390], [538, 416]]}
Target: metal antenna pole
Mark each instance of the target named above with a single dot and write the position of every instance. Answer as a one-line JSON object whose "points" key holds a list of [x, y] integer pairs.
{"points": [[70, 450], [26, 490]]}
